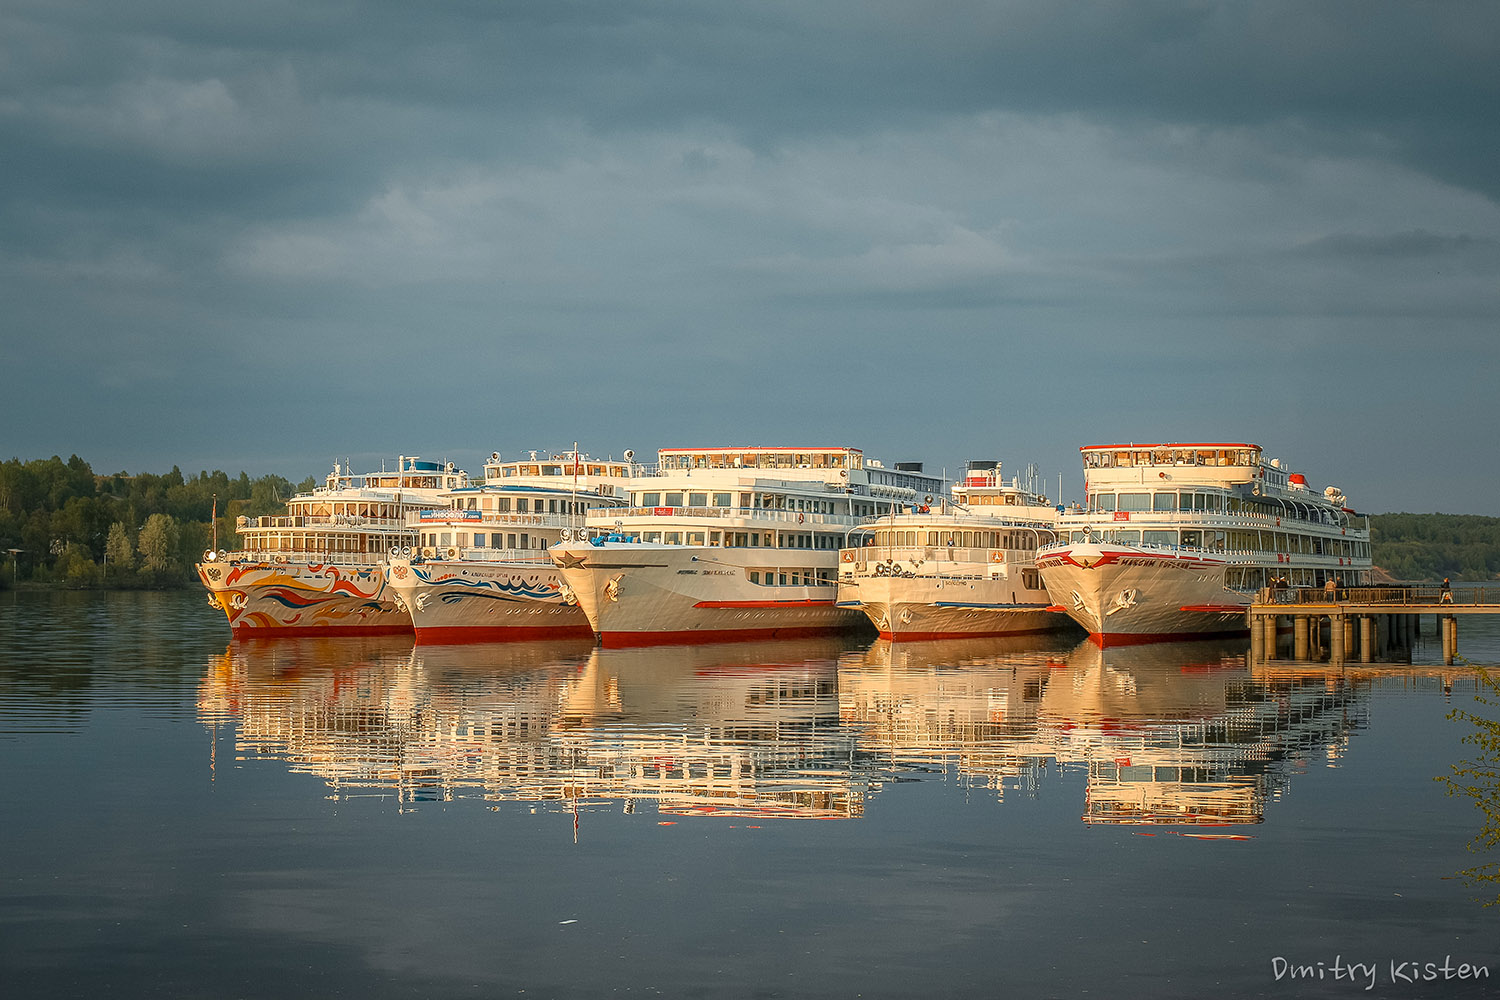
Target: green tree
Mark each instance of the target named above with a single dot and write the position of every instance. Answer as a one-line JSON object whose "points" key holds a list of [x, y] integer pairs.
{"points": [[158, 548], [77, 567], [119, 550]]}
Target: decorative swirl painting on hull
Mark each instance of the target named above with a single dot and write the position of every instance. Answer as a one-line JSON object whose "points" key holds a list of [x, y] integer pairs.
{"points": [[296, 599]]}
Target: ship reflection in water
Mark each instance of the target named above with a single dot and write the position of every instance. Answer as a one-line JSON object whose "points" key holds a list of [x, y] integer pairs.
{"points": [[1178, 734]]}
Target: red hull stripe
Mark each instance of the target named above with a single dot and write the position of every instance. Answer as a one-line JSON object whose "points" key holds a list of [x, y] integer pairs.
{"points": [[625, 640], [764, 604], [454, 635]]}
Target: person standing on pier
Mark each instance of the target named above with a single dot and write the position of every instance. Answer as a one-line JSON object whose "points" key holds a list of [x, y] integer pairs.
{"points": [[1445, 593], [1331, 590]]}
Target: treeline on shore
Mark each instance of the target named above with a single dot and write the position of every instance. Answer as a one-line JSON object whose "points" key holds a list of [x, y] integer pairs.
{"points": [[61, 524]]}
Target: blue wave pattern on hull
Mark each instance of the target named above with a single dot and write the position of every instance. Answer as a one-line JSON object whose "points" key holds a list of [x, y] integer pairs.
{"points": [[493, 589], [507, 595]]}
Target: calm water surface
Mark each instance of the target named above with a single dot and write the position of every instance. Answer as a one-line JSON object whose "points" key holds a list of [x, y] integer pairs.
{"points": [[190, 816]]}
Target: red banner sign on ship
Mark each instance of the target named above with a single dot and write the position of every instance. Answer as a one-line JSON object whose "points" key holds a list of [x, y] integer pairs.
{"points": [[1122, 515], [661, 511]]}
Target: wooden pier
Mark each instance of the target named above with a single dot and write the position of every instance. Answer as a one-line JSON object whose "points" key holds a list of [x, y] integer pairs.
{"points": [[1354, 624]]}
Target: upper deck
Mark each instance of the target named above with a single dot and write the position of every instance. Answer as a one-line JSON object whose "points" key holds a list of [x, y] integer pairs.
{"points": [[984, 486], [1223, 464], [840, 470]]}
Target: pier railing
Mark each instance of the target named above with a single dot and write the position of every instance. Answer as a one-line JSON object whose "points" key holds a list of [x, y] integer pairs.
{"points": [[1423, 595]]}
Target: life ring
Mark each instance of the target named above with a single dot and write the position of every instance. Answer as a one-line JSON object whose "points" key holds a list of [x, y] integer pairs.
{"points": [[451, 552], [997, 557], [846, 556], [895, 569], [281, 559], [427, 553]]}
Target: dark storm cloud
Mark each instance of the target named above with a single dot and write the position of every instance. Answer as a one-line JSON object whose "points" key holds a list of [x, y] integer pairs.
{"points": [[240, 233]]}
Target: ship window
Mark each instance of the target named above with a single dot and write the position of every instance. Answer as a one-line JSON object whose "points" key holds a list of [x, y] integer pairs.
{"points": [[525, 540], [1164, 501], [510, 540], [446, 538], [674, 500], [1127, 536], [755, 576], [650, 499], [1184, 501], [552, 506], [1192, 539], [1135, 501], [723, 499], [695, 538], [523, 505], [1104, 502], [1159, 537], [497, 540], [697, 499]]}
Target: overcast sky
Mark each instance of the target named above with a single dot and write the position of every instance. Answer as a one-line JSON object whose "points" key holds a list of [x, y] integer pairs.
{"points": [[265, 236]]}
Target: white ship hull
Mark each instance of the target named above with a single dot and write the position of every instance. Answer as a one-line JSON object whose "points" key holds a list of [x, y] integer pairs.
{"points": [[928, 608], [1122, 594], [637, 594], [464, 601], [296, 598]]}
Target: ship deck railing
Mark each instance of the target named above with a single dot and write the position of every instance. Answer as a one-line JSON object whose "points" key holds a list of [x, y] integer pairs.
{"points": [[1247, 557], [244, 523], [529, 557], [1209, 519], [598, 516], [932, 556], [371, 559]]}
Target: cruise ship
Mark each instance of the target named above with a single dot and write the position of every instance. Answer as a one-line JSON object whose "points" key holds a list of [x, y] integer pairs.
{"points": [[963, 568], [732, 543], [1176, 539], [318, 567], [479, 570]]}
